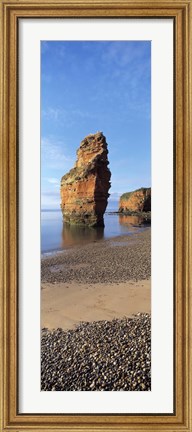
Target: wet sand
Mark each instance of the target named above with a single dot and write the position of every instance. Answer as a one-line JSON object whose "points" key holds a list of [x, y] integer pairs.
{"points": [[65, 305], [97, 298], [104, 280]]}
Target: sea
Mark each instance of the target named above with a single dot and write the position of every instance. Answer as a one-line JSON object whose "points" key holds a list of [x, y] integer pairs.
{"points": [[57, 236]]}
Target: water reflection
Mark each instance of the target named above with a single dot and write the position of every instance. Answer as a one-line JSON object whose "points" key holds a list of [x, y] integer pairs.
{"points": [[74, 235], [56, 236], [133, 221]]}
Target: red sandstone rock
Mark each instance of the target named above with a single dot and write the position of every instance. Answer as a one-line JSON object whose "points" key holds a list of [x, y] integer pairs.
{"points": [[84, 189], [136, 201]]}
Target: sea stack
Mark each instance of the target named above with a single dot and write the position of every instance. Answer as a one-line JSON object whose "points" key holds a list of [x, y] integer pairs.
{"points": [[136, 201], [84, 189]]}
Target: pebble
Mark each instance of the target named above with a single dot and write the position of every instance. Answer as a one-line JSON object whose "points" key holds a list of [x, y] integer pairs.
{"points": [[104, 355], [109, 261]]}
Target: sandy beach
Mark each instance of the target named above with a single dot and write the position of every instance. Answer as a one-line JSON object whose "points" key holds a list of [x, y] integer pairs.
{"points": [[105, 280], [65, 305], [95, 315]]}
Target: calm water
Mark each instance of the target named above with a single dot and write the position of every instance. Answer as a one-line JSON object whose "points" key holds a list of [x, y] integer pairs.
{"points": [[55, 235]]}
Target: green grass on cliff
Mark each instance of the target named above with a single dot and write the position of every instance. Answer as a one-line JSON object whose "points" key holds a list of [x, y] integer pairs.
{"points": [[127, 195]]}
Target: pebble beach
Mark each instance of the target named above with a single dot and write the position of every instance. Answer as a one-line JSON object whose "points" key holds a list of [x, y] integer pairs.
{"points": [[104, 355], [118, 259], [112, 351]]}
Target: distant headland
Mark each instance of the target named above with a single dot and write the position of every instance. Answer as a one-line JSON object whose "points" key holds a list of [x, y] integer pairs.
{"points": [[138, 201]]}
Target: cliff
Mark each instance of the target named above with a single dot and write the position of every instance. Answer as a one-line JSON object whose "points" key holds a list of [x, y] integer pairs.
{"points": [[84, 189], [136, 201]]}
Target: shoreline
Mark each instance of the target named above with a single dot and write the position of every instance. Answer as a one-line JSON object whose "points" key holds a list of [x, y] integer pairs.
{"points": [[107, 279], [61, 250], [116, 259], [144, 215], [95, 316]]}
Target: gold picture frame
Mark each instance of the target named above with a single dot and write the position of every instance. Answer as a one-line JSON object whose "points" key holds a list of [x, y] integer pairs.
{"points": [[11, 12]]}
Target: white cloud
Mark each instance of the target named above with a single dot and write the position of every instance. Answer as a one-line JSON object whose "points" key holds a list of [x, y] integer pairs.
{"points": [[53, 154], [50, 200], [54, 113], [53, 180], [69, 116]]}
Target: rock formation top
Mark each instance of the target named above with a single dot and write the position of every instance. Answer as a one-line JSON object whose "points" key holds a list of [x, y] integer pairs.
{"points": [[84, 189], [136, 201]]}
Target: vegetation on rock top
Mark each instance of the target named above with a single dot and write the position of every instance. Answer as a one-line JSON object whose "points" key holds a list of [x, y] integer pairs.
{"points": [[127, 195]]}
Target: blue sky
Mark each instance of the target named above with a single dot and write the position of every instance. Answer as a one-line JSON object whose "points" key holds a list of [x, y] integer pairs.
{"points": [[95, 86]]}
